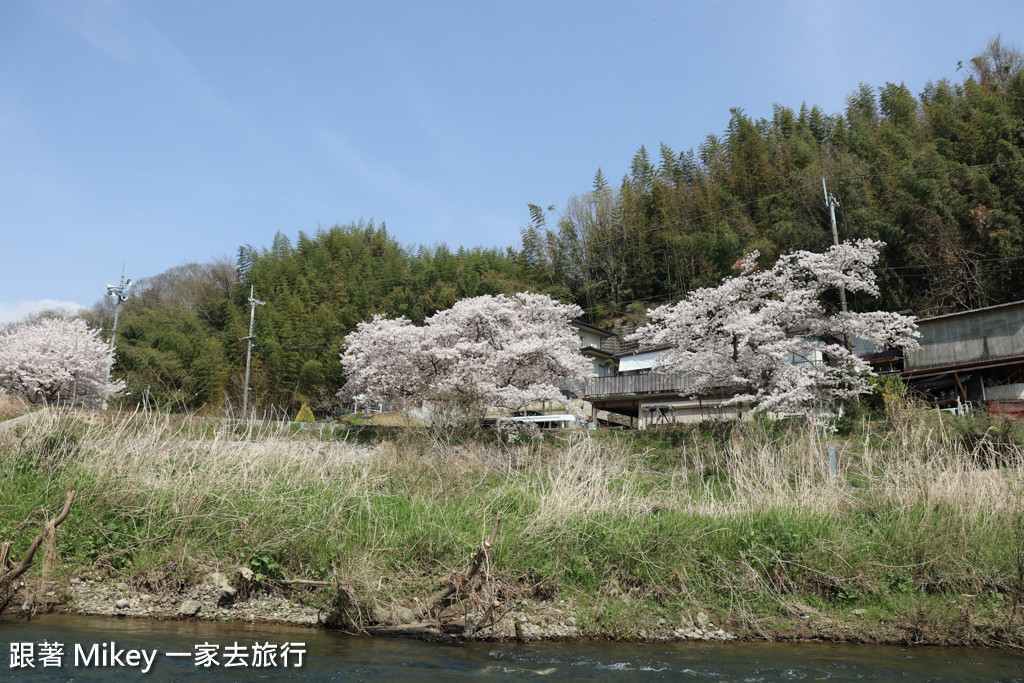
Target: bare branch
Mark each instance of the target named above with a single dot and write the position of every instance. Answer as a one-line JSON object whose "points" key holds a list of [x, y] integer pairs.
{"points": [[26, 561]]}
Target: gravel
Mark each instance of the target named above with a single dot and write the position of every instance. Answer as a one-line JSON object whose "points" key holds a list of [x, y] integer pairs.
{"points": [[524, 620]]}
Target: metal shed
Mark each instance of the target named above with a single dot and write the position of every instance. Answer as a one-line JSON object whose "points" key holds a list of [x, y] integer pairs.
{"points": [[976, 336], [972, 357]]}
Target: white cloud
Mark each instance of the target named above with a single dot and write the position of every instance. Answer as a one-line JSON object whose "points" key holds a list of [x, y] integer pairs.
{"points": [[13, 312]]}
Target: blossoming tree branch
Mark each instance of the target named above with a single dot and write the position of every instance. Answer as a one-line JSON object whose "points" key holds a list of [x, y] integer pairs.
{"points": [[756, 334]]}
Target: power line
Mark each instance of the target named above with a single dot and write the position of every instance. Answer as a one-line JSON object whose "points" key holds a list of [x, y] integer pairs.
{"points": [[682, 292], [939, 169], [950, 263]]}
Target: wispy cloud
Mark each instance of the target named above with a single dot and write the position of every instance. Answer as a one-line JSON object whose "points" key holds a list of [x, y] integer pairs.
{"points": [[381, 177], [120, 32], [14, 312]]}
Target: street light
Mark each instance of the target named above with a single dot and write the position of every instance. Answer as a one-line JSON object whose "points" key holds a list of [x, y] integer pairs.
{"points": [[118, 292]]}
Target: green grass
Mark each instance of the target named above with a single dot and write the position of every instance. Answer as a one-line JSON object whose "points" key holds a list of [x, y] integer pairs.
{"points": [[744, 523]]}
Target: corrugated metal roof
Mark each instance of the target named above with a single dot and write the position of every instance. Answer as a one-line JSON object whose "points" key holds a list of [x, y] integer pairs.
{"points": [[973, 310]]}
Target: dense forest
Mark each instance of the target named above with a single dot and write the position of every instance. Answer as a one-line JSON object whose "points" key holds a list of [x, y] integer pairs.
{"points": [[939, 177]]}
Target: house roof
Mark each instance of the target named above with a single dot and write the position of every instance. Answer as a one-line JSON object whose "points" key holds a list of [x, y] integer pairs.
{"points": [[595, 352], [1008, 304], [592, 328], [645, 349]]}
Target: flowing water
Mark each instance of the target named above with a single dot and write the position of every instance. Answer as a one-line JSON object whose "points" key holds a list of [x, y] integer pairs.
{"points": [[97, 649]]}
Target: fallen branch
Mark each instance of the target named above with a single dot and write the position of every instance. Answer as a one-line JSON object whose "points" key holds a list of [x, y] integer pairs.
{"points": [[427, 621], [454, 592], [13, 571], [9, 571], [420, 629], [490, 618], [302, 582]]}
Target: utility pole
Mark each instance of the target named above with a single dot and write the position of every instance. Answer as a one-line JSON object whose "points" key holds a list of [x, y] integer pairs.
{"points": [[253, 302], [118, 292], [832, 203]]}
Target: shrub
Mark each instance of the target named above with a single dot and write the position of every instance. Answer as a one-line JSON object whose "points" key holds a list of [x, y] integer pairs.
{"points": [[305, 414]]}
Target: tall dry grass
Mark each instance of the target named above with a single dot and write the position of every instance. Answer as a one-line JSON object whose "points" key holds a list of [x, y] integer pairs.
{"points": [[12, 405], [752, 512], [189, 463]]}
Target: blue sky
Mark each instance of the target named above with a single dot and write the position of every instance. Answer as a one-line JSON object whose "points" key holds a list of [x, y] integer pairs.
{"points": [[153, 133]]}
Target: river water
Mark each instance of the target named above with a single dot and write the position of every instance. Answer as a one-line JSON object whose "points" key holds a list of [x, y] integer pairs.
{"points": [[98, 649]]}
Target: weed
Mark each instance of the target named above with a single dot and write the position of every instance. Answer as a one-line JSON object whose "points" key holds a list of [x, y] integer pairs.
{"points": [[740, 521]]}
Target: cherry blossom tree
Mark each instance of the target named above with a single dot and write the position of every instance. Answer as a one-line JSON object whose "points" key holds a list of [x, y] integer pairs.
{"points": [[486, 351], [56, 361], [766, 337], [385, 360]]}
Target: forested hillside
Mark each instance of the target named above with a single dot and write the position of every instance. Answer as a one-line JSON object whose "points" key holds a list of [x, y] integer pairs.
{"points": [[939, 177], [179, 340]]}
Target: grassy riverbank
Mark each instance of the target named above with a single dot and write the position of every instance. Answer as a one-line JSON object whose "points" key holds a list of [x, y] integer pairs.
{"points": [[919, 539]]}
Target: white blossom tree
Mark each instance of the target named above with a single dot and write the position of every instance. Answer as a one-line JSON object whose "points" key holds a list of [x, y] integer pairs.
{"points": [[766, 337], [385, 360], [486, 351], [56, 361]]}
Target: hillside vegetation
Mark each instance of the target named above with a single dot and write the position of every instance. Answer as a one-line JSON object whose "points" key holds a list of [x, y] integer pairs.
{"points": [[938, 176], [920, 537]]}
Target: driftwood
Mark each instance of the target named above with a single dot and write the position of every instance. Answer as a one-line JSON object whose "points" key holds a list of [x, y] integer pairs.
{"points": [[426, 622], [461, 583], [302, 582], [9, 571], [419, 629]]}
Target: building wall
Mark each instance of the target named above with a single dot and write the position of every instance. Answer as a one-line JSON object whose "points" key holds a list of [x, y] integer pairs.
{"points": [[969, 337], [665, 414]]}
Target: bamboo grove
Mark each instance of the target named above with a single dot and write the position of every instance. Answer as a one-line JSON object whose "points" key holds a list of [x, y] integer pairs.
{"points": [[938, 177]]}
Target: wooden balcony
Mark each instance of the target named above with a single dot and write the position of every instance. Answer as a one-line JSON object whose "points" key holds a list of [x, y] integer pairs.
{"points": [[633, 385]]}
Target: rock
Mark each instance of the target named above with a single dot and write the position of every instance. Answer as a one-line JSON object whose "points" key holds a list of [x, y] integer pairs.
{"points": [[227, 595], [122, 604], [702, 620], [28, 607], [403, 615], [190, 608], [217, 579]]}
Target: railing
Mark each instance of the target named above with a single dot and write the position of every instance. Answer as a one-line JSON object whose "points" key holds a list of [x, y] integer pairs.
{"points": [[651, 383]]}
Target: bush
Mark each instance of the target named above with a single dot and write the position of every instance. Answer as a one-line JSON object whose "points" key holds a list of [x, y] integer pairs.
{"points": [[994, 438], [305, 414], [888, 392]]}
